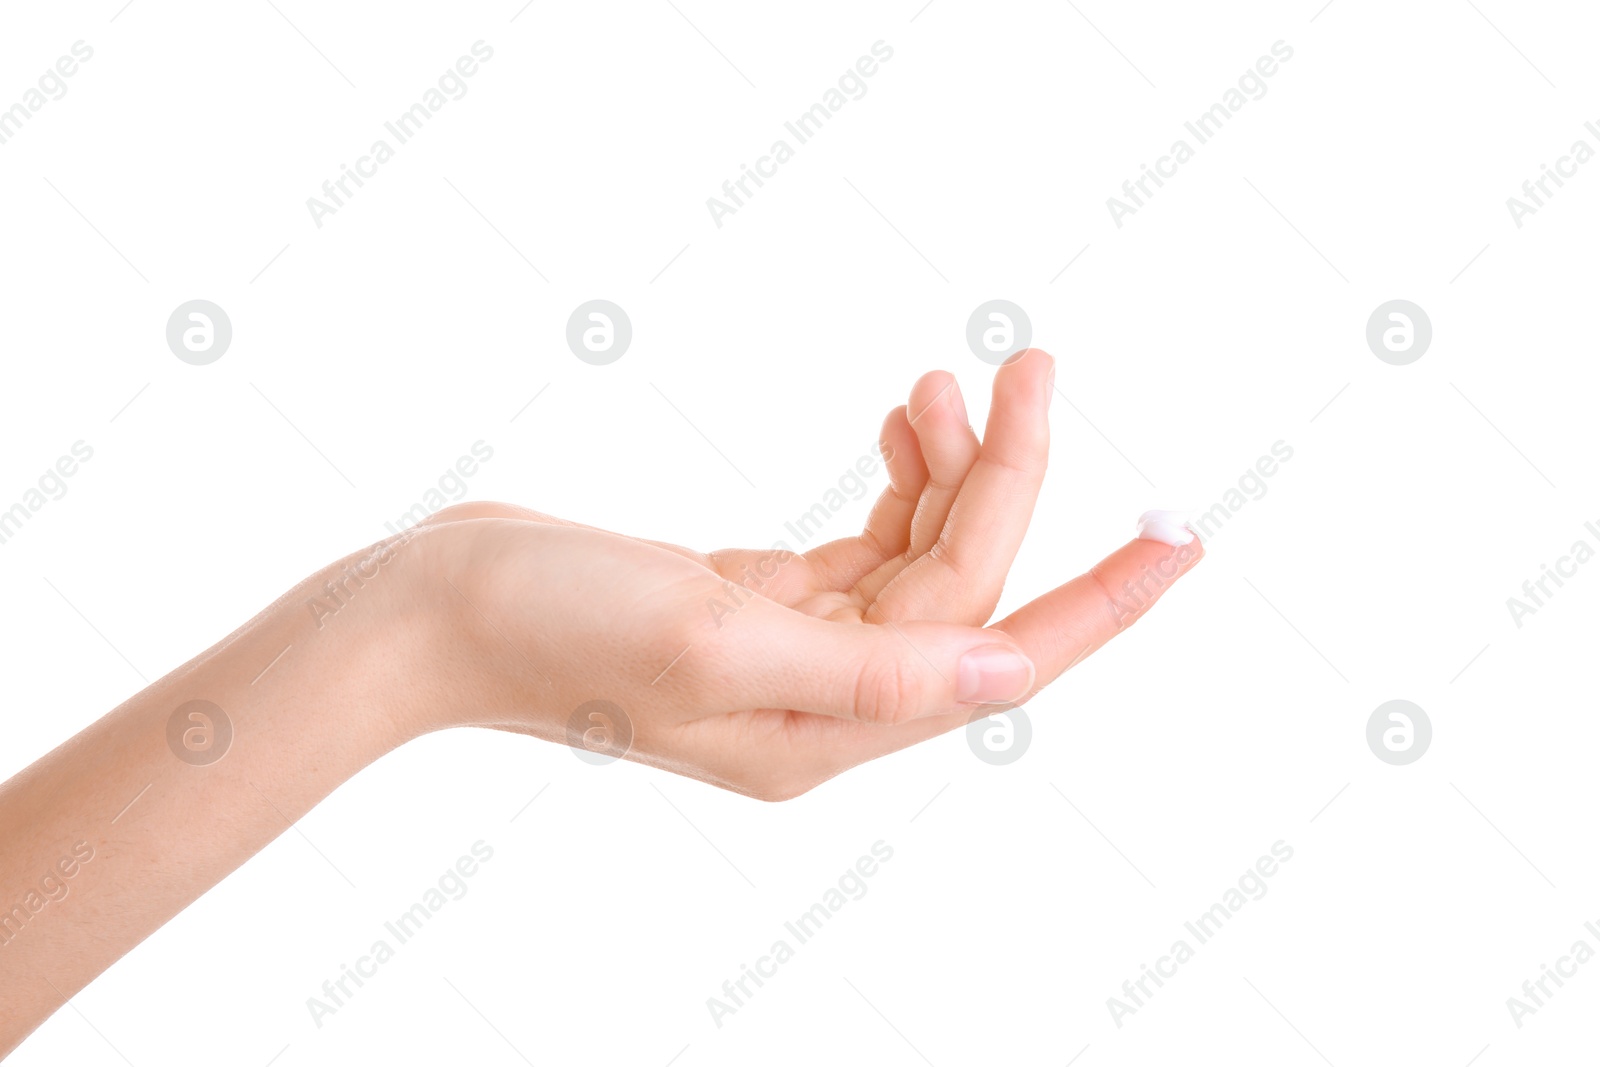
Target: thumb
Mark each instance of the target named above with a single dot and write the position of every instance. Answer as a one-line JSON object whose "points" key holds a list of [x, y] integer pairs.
{"points": [[881, 674]]}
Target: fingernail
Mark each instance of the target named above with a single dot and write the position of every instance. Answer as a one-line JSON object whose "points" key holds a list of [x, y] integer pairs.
{"points": [[1168, 527], [958, 404], [993, 674], [1050, 385]]}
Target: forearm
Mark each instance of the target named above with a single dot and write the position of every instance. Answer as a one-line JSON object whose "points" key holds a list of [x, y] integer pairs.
{"points": [[124, 825]]}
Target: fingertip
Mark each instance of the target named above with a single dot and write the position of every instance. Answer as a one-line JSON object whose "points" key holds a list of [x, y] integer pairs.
{"points": [[1140, 573], [1168, 527], [1152, 564], [896, 419], [1026, 381], [1018, 430], [931, 389], [1063, 626], [1033, 363], [895, 433], [1025, 355], [902, 453]]}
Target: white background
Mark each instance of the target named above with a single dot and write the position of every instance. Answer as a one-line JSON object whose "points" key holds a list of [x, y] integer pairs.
{"points": [[1221, 318]]}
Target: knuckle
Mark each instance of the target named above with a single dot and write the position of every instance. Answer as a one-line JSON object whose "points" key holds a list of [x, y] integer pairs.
{"points": [[1121, 615], [888, 691]]}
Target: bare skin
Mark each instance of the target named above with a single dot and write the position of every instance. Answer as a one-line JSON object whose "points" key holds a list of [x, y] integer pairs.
{"points": [[491, 615]]}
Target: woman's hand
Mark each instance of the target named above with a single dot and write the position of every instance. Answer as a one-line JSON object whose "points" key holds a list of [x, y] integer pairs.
{"points": [[767, 672], [761, 672]]}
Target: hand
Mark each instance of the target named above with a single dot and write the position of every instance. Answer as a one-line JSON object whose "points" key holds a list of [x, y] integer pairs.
{"points": [[767, 672], [762, 672]]}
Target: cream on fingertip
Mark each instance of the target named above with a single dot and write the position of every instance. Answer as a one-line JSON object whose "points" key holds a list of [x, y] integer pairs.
{"points": [[1168, 527]]}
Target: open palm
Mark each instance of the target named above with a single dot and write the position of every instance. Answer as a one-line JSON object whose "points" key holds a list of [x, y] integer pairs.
{"points": [[768, 672]]}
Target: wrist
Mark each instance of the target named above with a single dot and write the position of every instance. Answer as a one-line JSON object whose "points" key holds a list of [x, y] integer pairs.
{"points": [[466, 603], [361, 639]]}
